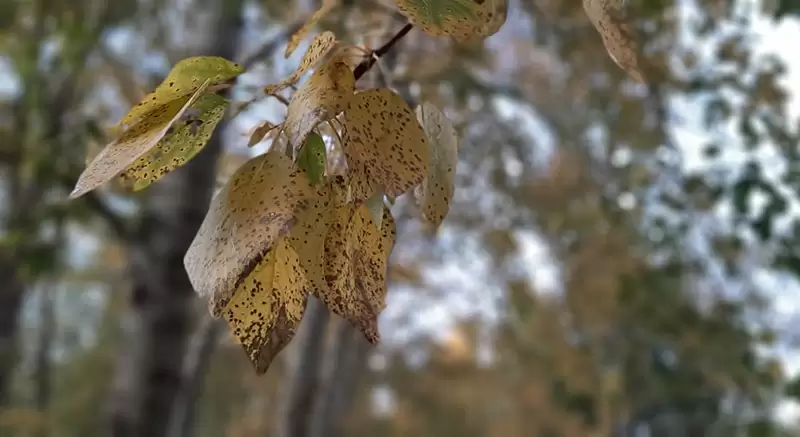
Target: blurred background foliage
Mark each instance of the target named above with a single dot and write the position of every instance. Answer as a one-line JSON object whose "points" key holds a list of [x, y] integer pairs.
{"points": [[620, 259]]}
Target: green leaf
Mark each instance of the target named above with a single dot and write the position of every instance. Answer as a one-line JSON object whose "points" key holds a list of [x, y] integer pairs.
{"points": [[312, 158], [133, 143], [183, 141], [183, 80]]}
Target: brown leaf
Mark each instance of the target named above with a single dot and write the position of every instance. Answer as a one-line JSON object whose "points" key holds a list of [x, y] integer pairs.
{"points": [[608, 17]]}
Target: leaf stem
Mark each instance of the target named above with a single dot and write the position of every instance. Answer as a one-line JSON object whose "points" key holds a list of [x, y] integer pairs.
{"points": [[368, 62]]}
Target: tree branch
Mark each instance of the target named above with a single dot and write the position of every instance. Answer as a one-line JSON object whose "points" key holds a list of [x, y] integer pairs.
{"points": [[367, 63]]}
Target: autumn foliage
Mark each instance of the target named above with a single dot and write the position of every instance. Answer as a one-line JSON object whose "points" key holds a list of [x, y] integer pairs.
{"points": [[288, 223]]}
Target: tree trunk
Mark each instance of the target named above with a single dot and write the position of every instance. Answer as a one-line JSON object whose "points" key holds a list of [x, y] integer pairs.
{"points": [[11, 293], [150, 373], [303, 390], [349, 357]]}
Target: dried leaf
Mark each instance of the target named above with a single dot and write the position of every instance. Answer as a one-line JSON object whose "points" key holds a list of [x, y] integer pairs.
{"points": [[294, 40], [608, 17], [384, 144], [312, 158], [133, 143], [317, 49], [183, 80], [267, 307], [463, 20], [183, 141], [437, 189], [257, 207], [325, 94], [356, 259], [260, 132]]}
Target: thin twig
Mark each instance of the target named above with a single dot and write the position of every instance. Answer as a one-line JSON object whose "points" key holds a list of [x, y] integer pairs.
{"points": [[369, 61]]}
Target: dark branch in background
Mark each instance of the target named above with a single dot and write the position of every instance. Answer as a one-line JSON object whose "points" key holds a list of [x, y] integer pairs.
{"points": [[367, 63]]}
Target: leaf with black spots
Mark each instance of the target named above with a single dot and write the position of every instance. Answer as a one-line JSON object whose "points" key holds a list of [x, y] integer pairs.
{"points": [[255, 209], [463, 20], [356, 260], [267, 307], [384, 144], [609, 18], [185, 78], [185, 139], [325, 94], [133, 143], [437, 189], [317, 49]]}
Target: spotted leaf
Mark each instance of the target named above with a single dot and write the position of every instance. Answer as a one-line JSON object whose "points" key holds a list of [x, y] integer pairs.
{"points": [[356, 257], [183, 141], [609, 18], [437, 189], [463, 20], [257, 207], [133, 143], [325, 94], [267, 307], [307, 237], [384, 144], [317, 49], [183, 80]]}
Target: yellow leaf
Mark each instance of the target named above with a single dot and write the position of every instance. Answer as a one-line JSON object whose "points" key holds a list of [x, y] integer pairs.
{"points": [[325, 94], [463, 20], [133, 143], [183, 141], [267, 307], [317, 49], [384, 144], [607, 16], [183, 80], [256, 208], [294, 40], [437, 189], [356, 259], [308, 237]]}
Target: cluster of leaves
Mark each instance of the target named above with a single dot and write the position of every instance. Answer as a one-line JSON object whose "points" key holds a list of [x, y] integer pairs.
{"points": [[288, 224]]}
